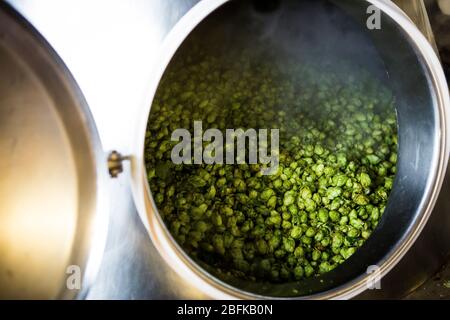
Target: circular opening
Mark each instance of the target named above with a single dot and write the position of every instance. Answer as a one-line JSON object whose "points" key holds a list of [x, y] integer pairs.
{"points": [[333, 88]]}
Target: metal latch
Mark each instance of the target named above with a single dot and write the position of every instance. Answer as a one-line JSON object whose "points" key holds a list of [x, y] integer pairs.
{"points": [[115, 166]]}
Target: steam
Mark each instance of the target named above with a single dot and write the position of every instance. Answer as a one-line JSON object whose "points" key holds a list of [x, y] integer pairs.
{"points": [[311, 31]]}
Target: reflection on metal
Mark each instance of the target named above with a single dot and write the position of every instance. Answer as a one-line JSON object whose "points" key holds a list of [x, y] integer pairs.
{"points": [[417, 12], [415, 191], [444, 5], [52, 209]]}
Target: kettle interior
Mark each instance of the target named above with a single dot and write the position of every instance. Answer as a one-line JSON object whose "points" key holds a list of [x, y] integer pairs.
{"points": [[53, 212], [332, 34]]}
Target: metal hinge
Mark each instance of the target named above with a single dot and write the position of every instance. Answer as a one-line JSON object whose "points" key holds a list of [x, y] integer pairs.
{"points": [[115, 165]]}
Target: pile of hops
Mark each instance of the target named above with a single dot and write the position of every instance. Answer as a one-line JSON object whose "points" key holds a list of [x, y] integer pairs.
{"points": [[338, 153]]}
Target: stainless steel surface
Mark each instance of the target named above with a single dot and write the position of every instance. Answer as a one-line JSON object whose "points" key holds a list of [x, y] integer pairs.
{"points": [[445, 6], [417, 12], [422, 164], [131, 33], [53, 207], [435, 288], [421, 262], [440, 23]]}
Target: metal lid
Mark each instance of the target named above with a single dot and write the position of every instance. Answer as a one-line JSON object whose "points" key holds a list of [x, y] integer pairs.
{"points": [[53, 218]]}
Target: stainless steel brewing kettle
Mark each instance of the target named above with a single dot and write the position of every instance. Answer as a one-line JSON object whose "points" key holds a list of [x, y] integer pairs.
{"points": [[53, 213]]}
